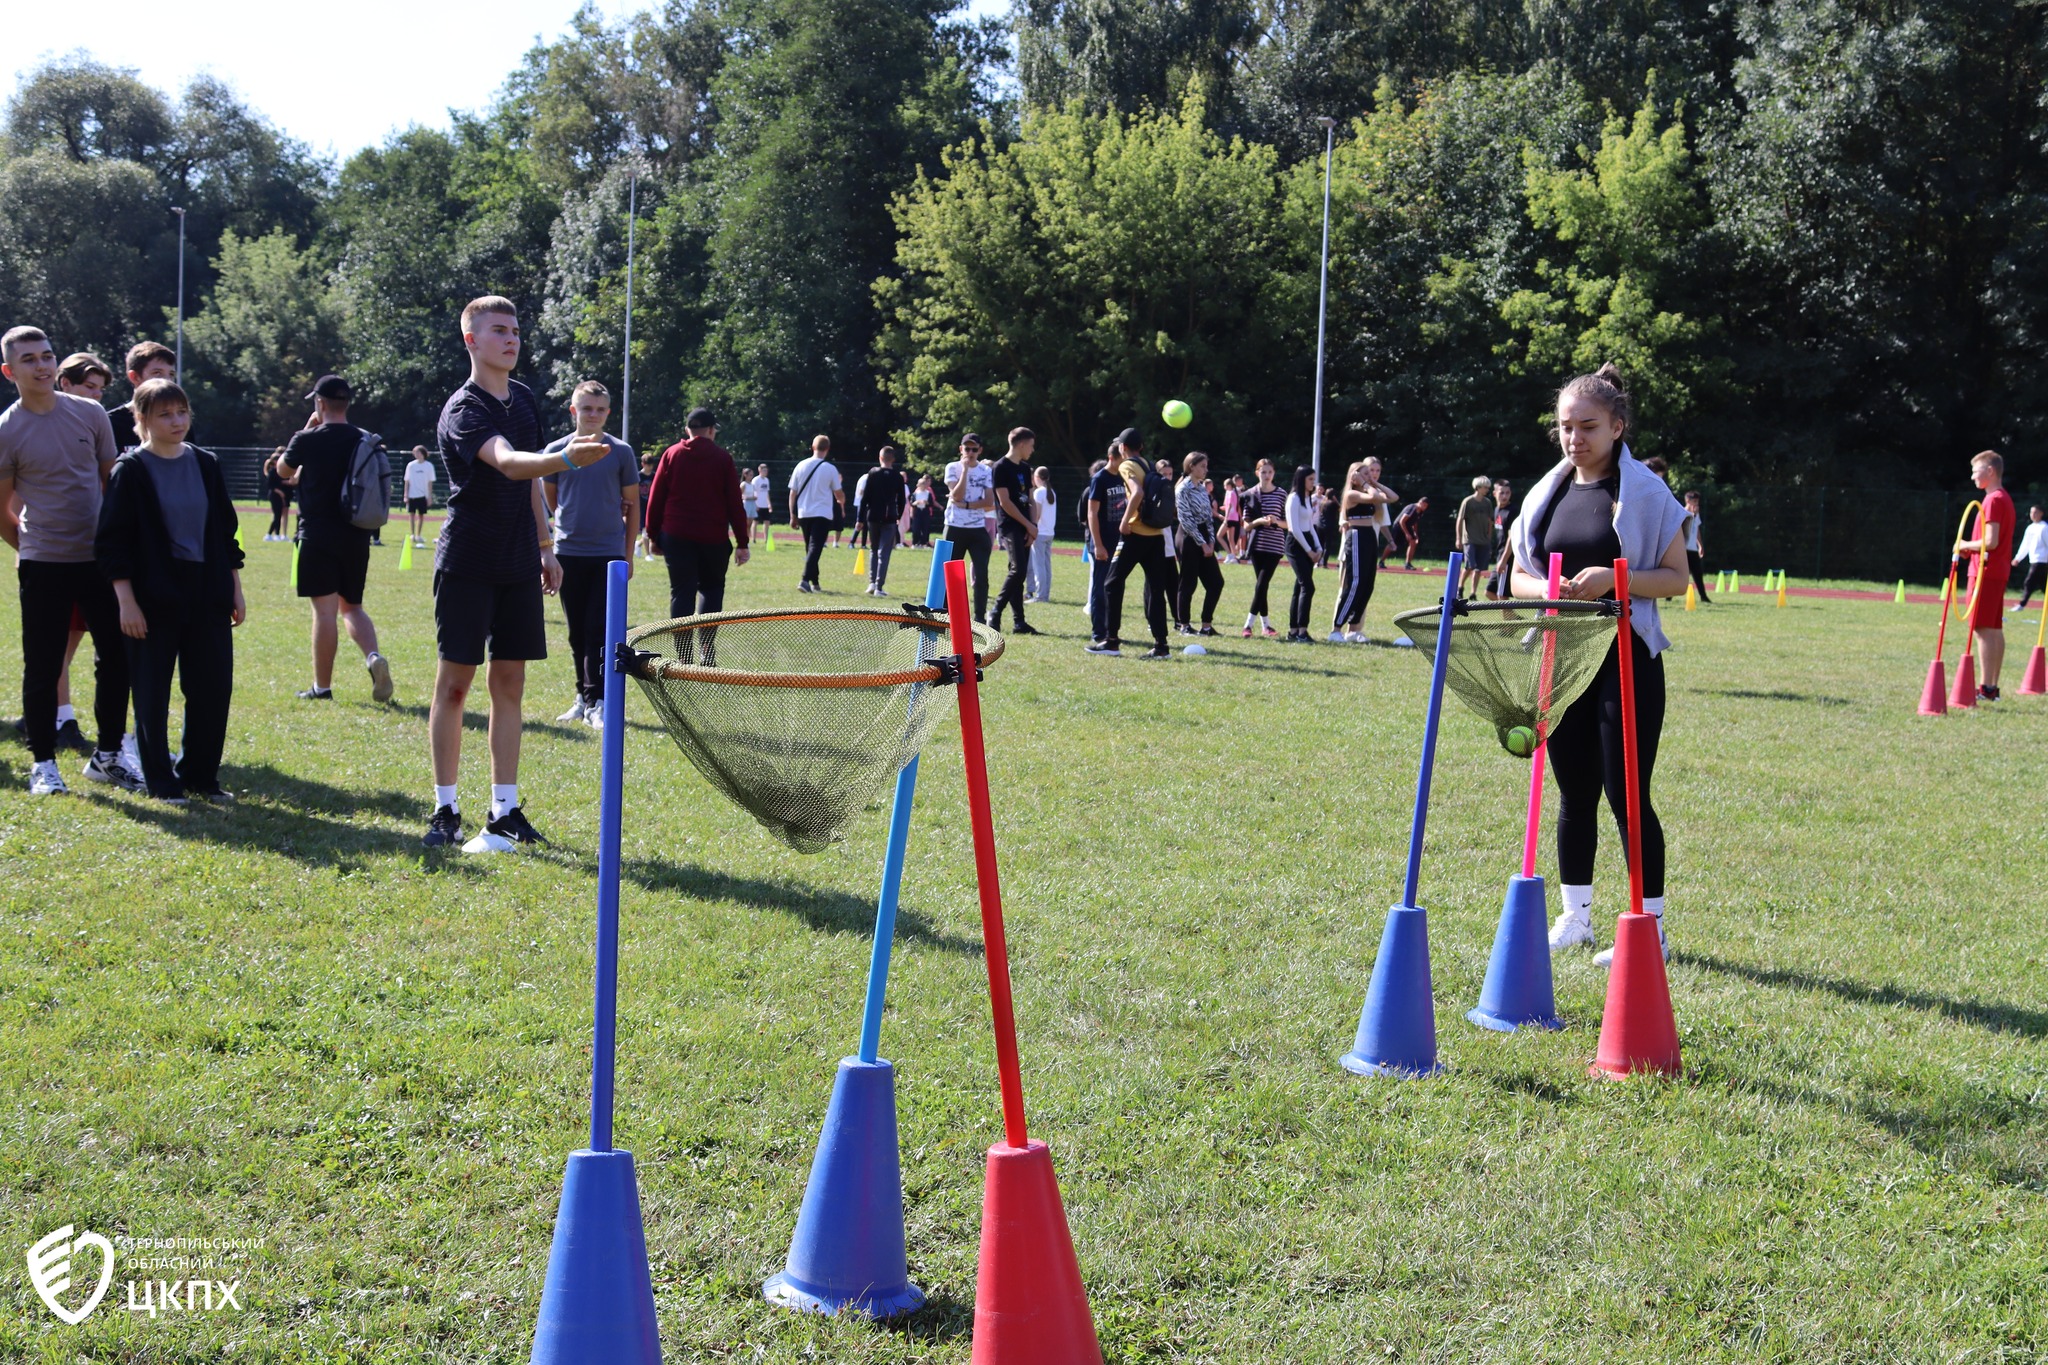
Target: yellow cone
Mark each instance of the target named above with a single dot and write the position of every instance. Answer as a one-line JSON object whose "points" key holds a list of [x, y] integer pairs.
{"points": [[1899, 597], [405, 555], [860, 562], [1781, 587], [1692, 598], [769, 548], [238, 535]]}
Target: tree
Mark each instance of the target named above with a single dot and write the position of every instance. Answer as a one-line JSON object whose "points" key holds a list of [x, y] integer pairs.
{"points": [[269, 329]]}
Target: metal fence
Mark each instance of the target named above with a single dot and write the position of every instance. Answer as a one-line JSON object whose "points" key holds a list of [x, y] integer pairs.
{"points": [[1880, 534]]}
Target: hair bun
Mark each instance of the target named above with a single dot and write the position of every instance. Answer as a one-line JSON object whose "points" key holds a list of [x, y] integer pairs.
{"points": [[1612, 374]]}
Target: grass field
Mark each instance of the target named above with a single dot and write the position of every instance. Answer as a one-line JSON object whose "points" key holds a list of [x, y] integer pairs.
{"points": [[283, 1022]]}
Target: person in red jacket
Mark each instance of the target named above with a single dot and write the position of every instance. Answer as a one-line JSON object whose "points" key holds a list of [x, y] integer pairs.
{"points": [[693, 505]]}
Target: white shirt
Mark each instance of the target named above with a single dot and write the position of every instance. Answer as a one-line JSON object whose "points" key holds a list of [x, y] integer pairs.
{"points": [[2034, 544], [1301, 524], [981, 485], [1047, 510], [811, 492], [419, 479], [860, 490], [763, 491], [748, 502], [1692, 532]]}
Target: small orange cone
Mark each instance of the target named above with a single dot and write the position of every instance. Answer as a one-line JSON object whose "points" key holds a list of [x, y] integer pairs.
{"points": [[1638, 1032]]}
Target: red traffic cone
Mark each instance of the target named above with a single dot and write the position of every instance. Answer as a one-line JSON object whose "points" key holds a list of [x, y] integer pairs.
{"points": [[1637, 1030], [1964, 694], [1934, 696], [1029, 1305], [2036, 681]]}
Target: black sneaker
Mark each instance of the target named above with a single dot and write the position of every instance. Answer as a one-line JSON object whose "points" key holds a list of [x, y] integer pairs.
{"points": [[1987, 693], [1105, 647], [216, 795], [110, 769], [444, 829], [1021, 629], [70, 737], [513, 828], [1206, 629], [1157, 652], [317, 694]]}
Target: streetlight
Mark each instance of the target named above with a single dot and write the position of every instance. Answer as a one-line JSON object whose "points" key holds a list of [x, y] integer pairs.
{"points": [[626, 388], [181, 293], [1315, 458]]}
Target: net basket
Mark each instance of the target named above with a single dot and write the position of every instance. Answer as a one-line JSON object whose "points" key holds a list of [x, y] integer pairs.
{"points": [[1515, 663], [802, 718]]}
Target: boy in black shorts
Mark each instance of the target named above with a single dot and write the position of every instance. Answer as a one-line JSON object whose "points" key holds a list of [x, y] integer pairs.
{"points": [[334, 553], [494, 561]]}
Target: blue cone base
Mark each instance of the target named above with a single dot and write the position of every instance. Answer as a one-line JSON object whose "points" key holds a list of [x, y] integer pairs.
{"points": [[1397, 1028], [847, 1252], [1517, 992], [598, 1304]]}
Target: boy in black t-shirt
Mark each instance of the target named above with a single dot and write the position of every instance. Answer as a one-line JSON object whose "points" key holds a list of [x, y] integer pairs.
{"points": [[1018, 526], [494, 560], [334, 553]]}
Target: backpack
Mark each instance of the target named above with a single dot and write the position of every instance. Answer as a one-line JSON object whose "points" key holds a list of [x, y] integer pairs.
{"points": [[366, 492], [1158, 509]]}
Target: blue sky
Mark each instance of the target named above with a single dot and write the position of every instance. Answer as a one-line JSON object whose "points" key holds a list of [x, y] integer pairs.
{"points": [[339, 86]]}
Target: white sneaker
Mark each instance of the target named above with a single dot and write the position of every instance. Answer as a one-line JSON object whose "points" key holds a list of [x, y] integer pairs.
{"points": [[131, 757], [45, 780], [593, 716], [576, 712], [1337, 637], [1570, 930], [1605, 957], [1355, 638]]}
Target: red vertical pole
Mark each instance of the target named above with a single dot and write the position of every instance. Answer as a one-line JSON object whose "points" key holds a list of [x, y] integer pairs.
{"points": [[960, 620], [1627, 645]]}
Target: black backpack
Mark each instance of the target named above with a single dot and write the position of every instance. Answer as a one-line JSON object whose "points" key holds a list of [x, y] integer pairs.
{"points": [[1158, 510]]}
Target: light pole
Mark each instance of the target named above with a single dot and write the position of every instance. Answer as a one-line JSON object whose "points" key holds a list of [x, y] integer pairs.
{"points": [[180, 352], [626, 388], [1315, 458]]}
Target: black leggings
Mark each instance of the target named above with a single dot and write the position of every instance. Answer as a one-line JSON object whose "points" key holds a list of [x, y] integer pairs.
{"points": [[279, 505], [1693, 562], [1196, 566], [1586, 753], [2037, 576], [1264, 562], [1361, 573], [1304, 565]]}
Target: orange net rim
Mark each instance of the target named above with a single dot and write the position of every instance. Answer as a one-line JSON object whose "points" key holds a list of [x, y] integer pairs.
{"points": [[988, 646]]}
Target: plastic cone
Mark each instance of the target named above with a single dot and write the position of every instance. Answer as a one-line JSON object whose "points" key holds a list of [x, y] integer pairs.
{"points": [[1720, 583], [1692, 598], [848, 1248], [860, 561], [1781, 592], [2034, 682], [1029, 1304], [405, 555], [1934, 696], [1963, 696], [598, 1305], [1734, 580], [1637, 1030], [238, 535], [1397, 1028], [1518, 989], [1899, 597], [769, 548]]}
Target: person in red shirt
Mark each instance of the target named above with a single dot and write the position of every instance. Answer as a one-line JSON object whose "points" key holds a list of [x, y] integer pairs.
{"points": [[1995, 526], [693, 505]]}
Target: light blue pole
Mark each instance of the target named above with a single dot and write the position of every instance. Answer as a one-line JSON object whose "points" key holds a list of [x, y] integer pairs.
{"points": [[1436, 707], [892, 857], [611, 797]]}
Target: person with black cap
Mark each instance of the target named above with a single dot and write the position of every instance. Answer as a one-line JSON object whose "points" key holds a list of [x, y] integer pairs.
{"points": [[1018, 526], [694, 503], [970, 497], [1143, 546], [334, 553]]}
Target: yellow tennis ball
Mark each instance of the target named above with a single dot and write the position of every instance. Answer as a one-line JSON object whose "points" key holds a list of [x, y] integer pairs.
{"points": [[1176, 413], [1520, 741]]}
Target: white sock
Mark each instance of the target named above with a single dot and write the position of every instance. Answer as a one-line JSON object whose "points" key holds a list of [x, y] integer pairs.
{"points": [[66, 712], [504, 796], [445, 796], [1251, 619], [1266, 622], [371, 658], [1653, 905], [1578, 902]]}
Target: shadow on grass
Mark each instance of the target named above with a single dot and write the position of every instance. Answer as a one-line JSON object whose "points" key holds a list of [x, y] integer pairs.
{"points": [[834, 911], [1999, 1018], [311, 822], [943, 1318], [1740, 694], [479, 720]]}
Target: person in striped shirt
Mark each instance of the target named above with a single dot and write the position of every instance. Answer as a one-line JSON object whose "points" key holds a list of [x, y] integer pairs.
{"points": [[1265, 522]]}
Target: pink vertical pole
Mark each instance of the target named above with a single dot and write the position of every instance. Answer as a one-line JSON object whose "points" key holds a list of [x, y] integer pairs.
{"points": [[1626, 645], [1536, 759]]}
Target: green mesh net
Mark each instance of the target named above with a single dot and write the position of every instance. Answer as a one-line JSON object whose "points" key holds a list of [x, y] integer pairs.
{"points": [[802, 718], [1516, 663]]}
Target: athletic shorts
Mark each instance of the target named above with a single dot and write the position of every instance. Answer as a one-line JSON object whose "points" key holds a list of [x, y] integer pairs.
{"points": [[470, 614], [1990, 610], [334, 566], [416, 504], [763, 516], [1478, 556]]}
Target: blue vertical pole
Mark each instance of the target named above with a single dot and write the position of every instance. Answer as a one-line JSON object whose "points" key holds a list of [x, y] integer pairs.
{"points": [[892, 857], [611, 797], [1436, 707]]}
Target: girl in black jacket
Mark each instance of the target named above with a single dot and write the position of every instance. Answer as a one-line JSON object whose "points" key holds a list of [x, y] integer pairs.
{"points": [[167, 541]]}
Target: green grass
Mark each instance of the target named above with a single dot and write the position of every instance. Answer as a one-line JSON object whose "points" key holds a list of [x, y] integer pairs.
{"points": [[284, 1022]]}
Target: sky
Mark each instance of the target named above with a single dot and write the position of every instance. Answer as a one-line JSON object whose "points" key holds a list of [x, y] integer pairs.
{"points": [[384, 65]]}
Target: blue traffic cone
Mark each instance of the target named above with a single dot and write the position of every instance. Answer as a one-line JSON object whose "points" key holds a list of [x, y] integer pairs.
{"points": [[598, 1304], [847, 1252], [1517, 989], [1397, 1030]]}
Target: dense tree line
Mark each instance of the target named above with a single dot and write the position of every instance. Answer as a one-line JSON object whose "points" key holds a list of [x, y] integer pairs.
{"points": [[1815, 234]]}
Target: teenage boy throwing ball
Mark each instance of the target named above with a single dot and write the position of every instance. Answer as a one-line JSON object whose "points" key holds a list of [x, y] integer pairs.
{"points": [[494, 560]]}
